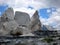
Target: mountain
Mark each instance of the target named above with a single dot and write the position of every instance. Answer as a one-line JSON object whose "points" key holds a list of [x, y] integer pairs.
{"points": [[47, 27], [44, 27], [22, 18], [35, 23]]}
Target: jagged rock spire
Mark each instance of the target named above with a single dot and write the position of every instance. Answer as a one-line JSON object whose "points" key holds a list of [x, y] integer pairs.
{"points": [[35, 15], [8, 15], [7, 22], [35, 23]]}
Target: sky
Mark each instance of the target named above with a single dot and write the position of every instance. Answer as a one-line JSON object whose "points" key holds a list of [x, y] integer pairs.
{"points": [[49, 10], [2, 9]]}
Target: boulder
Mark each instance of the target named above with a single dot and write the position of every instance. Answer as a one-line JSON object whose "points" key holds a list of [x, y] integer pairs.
{"points": [[11, 25], [4, 32], [21, 31]]}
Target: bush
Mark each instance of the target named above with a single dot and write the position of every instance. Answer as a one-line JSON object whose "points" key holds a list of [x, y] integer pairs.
{"points": [[48, 40]]}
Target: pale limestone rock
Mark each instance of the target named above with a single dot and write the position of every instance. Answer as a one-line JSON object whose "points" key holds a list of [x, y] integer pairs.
{"points": [[7, 22], [29, 34], [22, 18], [21, 23], [26, 30], [8, 15], [3, 32], [11, 25], [35, 23], [21, 30]]}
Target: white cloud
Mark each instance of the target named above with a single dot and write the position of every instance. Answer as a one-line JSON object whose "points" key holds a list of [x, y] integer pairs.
{"points": [[55, 3], [36, 4], [48, 11], [24, 3], [29, 11], [43, 20], [53, 20], [0, 13]]}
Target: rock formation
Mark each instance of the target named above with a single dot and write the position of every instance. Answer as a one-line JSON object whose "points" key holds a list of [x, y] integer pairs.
{"points": [[43, 27], [49, 27], [11, 25], [35, 23], [7, 16], [18, 24], [22, 18]]}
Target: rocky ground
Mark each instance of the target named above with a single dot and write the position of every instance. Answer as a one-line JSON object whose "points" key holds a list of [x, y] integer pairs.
{"points": [[30, 40]]}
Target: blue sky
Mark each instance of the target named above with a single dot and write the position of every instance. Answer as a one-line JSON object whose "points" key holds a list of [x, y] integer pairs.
{"points": [[2, 9], [44, 12]]}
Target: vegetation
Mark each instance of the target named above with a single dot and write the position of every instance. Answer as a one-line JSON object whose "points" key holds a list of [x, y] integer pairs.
{"points": [[48, 40]]}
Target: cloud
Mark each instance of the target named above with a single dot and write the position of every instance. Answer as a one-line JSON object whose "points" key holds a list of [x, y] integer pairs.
{"points": [[36, 4], [22, 5], [53, 20], [54, 3], [43, 20], [23, 9], [51, 3]]}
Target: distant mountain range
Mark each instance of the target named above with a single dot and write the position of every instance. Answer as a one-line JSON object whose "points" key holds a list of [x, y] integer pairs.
{"points": [[44, 27], [47, 27]]}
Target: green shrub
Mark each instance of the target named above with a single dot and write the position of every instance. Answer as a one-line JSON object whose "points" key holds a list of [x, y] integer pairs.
{"points": [[48, 40]]}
